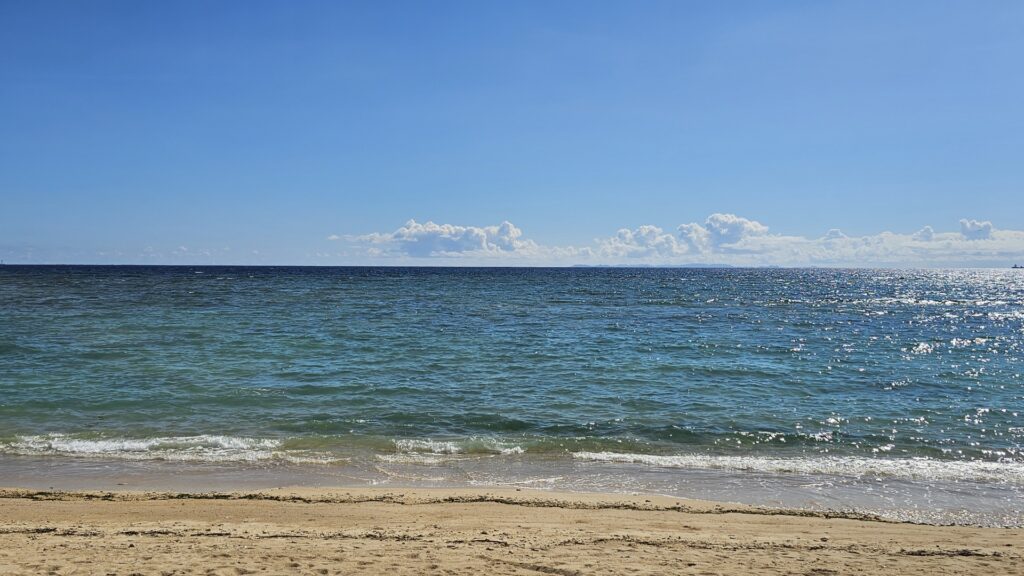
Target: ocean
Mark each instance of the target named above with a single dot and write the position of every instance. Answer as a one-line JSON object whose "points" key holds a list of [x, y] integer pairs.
{"points": [[889, 392]]}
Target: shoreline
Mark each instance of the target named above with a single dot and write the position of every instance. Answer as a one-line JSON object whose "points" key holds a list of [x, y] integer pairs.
{"points": [[528, 497], [467, 531], [934, 501]]}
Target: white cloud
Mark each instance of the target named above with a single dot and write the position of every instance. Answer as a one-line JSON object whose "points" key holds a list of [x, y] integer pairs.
{"points": [[696, 237], [730, 228], [925, 234], [643, 242], [975, 229], [429, 239], [720, 230], [720, 239]]}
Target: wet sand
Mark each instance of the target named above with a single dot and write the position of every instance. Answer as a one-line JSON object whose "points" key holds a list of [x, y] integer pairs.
{"points": [[462, 531]]}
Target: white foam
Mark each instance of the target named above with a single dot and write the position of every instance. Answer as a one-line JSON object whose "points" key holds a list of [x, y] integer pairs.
{"points": [[203, 448], [413, 458], [923, 348], [475, 445], [911, 468], [428, 446]]}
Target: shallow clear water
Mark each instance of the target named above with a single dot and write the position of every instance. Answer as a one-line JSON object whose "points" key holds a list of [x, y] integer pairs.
{"points": [[614, 377]]}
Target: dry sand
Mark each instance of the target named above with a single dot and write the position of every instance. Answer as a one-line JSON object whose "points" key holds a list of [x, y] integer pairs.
{"points": [[364, 531]]}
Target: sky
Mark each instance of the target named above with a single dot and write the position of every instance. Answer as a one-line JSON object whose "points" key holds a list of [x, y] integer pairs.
{"points": [[512, 133]]}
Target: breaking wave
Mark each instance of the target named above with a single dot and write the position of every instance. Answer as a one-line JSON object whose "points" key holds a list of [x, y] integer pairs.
{"points": [[201, 448], [909, 468]]}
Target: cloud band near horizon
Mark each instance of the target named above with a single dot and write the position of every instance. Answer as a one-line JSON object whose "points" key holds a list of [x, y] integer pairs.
{"points": [[720, 239]]}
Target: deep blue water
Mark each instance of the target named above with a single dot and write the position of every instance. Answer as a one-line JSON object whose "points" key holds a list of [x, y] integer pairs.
{"points": [[908, 374]]}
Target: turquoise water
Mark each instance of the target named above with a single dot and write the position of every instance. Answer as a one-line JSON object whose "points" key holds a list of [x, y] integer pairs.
{"points": [[911, 376]]}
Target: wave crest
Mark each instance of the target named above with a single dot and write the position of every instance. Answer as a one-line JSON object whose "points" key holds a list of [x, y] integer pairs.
{"points": [[910, 468], [201, 448]]}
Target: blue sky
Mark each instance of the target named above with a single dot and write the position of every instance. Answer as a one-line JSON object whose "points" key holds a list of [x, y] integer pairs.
{"points": [[252, 132]]}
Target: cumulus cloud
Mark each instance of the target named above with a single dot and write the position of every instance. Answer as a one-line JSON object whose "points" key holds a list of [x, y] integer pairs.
{"points": [[732, 239], [719, 239], [468, 244], [925, 234], [430, 239], [730, 228], [645, 241], [719, 230], [696, 237], [975, 229]]}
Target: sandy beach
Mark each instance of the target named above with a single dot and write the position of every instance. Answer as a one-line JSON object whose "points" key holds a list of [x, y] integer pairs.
{"points": [[461, 531]]}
